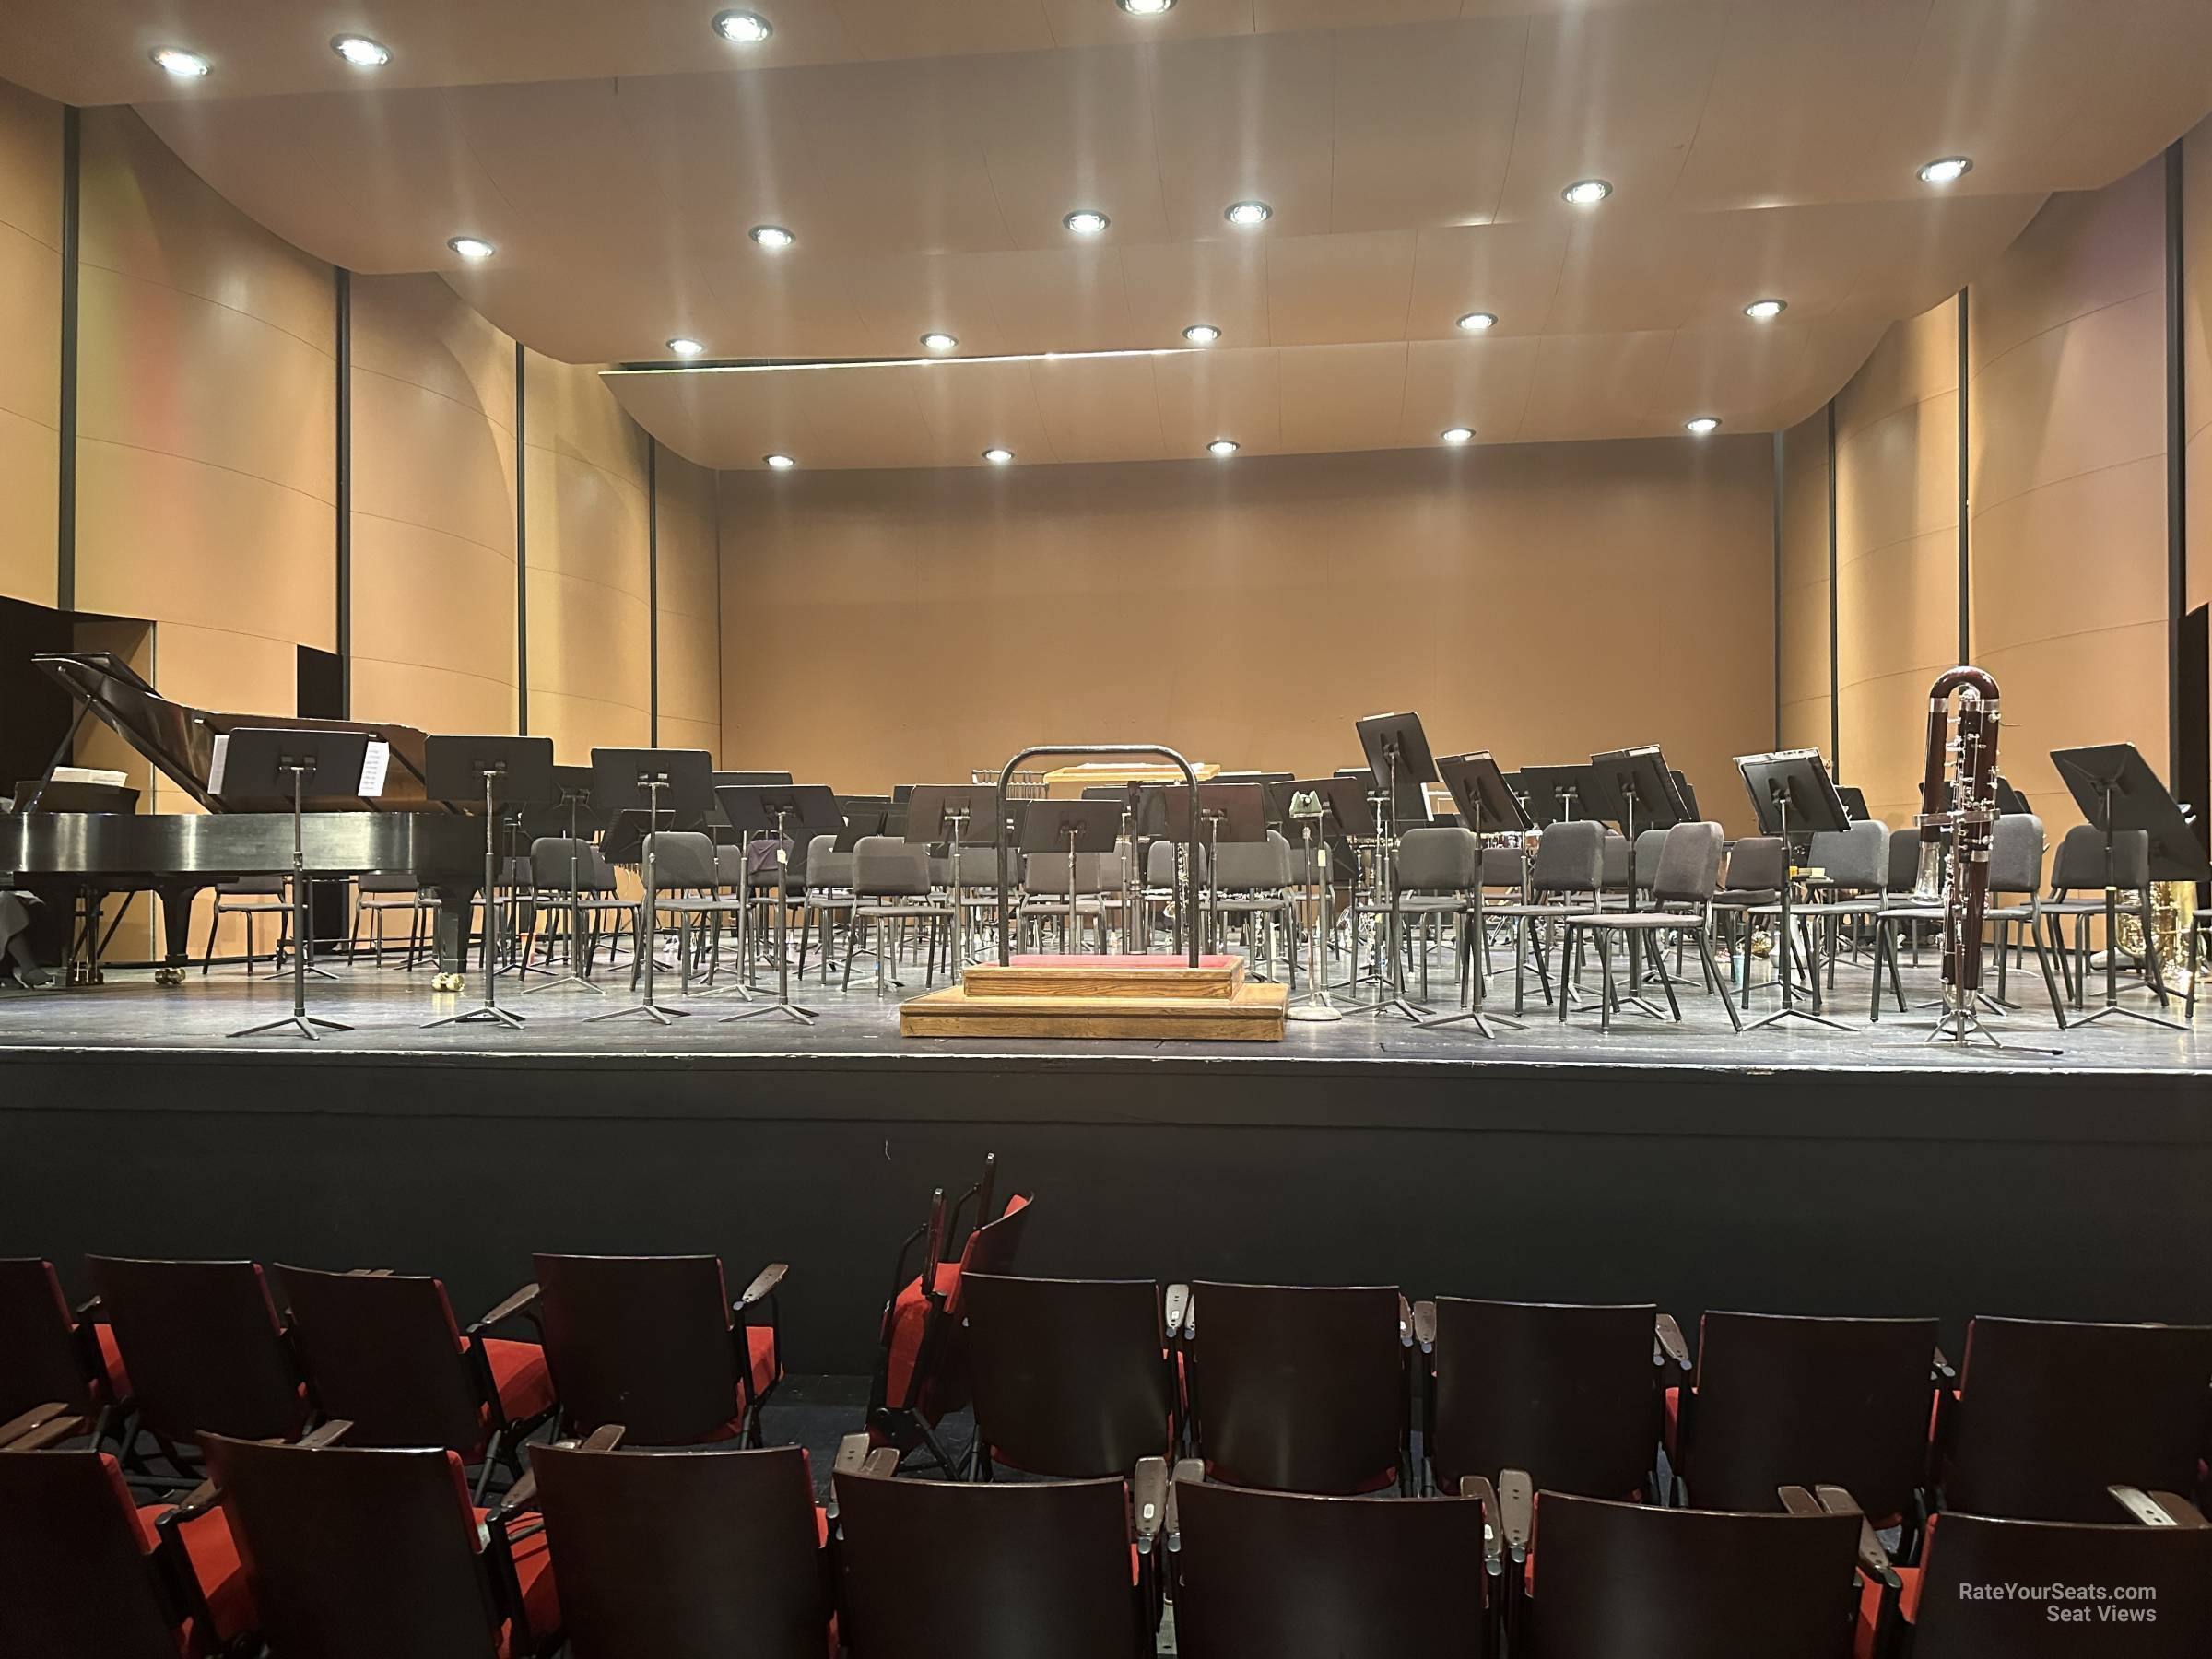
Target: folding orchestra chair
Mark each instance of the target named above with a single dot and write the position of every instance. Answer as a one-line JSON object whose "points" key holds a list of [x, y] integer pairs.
{"points": [[654, 1343], [2078, 866], [383, 1351], [1300, 1389], [89, 1572], [1601, 1580], [891, 887], [1569, 863], [1571, 1393], [1438, 867], [2049, 1414], [205, 1347], [1682, 889], [2152, 1553], [687, 1555], [1070, 1377], [1781, 1400], [50, 1352], [923, 1374], [1333, 1577], [362, 1553], [933, 1568]]}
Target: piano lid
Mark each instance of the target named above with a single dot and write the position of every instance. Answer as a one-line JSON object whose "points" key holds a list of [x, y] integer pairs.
{"points": [[179, 740]]}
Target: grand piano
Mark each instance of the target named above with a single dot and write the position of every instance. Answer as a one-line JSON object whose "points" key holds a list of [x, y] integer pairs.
{"points": [[89, 856]]}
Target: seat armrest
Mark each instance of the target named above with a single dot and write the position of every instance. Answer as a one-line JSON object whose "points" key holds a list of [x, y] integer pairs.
{"points": [[519, 1496], [197, 1502], [519, 1301], [1148, 1500], [763, 1286], [1424, 1328], [851, 1454], [1942, 1373], [326, 1434], [605, 1438], [90, 1308], [1668, 1344], [1798, 1502], [882, 1463], [1177, 1310], [1404, 1321], [1493, 1529], [1517, 1511], [38, 1416], [1189, 1469], [2159, 1509], [1874, 1561]]}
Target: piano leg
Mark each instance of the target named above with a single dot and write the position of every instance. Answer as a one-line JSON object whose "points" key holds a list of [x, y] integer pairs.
{"points": [[456, 905], [177, 898]]}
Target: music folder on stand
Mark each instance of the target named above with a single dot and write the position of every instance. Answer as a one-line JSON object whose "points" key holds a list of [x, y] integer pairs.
{"points": [[266, 762], [1398, 757], [953, 816], [1793, 796], [783, 812], [1050, 828], [2116, 790], [513, 773], [672, 789], [1487, 806]]}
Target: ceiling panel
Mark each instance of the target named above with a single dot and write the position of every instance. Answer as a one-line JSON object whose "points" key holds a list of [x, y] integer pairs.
{"points": [[1235, 122], [1423, 122], [1207, 394], [1343, 398], [1482, 383], [1325, 288], [970, 408], [1102, 408]]}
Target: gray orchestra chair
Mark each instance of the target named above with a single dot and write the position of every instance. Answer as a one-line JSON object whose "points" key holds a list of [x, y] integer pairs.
{"points": [[377, 896], [2079, 867], [891, 887], [828, 895], [1682, 888], [251, 897], [1253, 879], [1752, 879], [1853, 886], [2016, 864], [1437, 868], [1569, 866], [1044, 894], [687, 879], [570, 876]]}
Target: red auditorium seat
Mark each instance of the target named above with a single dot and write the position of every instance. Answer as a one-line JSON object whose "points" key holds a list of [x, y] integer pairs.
{"points": [[87, 1572], [358, 1553], [383, 1351], [655, 1344], [47, 1352], [687, 1555], [923, 1374]]}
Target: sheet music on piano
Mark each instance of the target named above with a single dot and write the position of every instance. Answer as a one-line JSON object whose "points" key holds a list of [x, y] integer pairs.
{"points": [[376, 762]]}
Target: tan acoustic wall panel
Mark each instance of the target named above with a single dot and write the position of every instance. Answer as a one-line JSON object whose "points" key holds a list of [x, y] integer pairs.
{"points": [[2196, 362], [433, 509], [2067, 434], [31, 334], [586, 536], [1541, 601], [1805, 592], [1896, 554], [690, 606]]}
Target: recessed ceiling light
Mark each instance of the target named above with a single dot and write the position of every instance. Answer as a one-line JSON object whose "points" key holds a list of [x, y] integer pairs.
{"points": [[780, 463], [937, 341], [1249, 213], [1949, 169], [361, 51], [1201, 334], [998, 457], [686, 348], [1456, 434], [1765, 311], [1702, 425], [742, 27], [181, 65], [1584, 192], [1145, 8], [1222, 446], [774, 237], [1085, 221], [1476, 322], [471, 247]]}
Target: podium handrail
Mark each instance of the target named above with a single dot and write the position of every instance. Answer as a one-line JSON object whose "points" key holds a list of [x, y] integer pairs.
{"points": [[998, 828]]}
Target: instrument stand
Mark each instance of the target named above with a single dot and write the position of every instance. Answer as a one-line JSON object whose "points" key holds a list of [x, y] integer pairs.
{"points": [[1317, 1008], [2107, 787], [526, 764], [256, 760], [1397, 1002], [572, 797], [782, 1005], [1789, 1009]]}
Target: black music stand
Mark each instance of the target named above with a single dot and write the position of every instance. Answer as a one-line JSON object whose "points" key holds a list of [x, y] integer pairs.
{"points": [[1227, 811], [1557, 794], [514, 772], [1398, 754], [672, 788], [573, 814], [956, 814], [782, 812], [1638, 792], [2116, 790], [1487, 805], [261, 762], [1071, 827], [1793, 796], [1854, 801]]}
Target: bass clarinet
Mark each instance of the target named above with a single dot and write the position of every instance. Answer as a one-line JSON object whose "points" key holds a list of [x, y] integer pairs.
{"points": [[1961, 881]]}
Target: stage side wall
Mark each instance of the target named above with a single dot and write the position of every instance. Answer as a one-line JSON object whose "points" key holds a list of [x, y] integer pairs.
{"points": [[30, 324], [1805, 704], [1542, 601]]}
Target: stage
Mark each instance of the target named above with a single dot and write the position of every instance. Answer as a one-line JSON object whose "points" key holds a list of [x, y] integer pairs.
{"points": [[1795, 1169]]}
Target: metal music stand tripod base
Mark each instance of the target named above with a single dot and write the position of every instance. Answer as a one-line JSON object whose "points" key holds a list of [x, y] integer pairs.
{"points": [[526, 764], [266, 752]]}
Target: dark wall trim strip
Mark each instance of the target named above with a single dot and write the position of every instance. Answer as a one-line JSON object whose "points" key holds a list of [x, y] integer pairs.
{"points": [[652, 590], [64, 584], [522, 558], [2177, 466], [1966, 568], [343, 284], [1835, 690], [1779, 442]]}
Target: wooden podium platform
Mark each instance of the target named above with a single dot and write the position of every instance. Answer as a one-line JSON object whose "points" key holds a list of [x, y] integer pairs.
{"points": [[1154, 997]]}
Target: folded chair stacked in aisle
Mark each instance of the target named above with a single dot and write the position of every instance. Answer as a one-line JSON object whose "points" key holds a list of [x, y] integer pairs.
{"points": [[923, 1374]]}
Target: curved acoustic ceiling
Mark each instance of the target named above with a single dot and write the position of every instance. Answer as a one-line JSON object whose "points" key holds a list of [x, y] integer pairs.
{"points": [[925, 153]]}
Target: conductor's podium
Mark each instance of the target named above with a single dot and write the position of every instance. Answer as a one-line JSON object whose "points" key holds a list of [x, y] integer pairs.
{"points": [[1161, 997]]}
